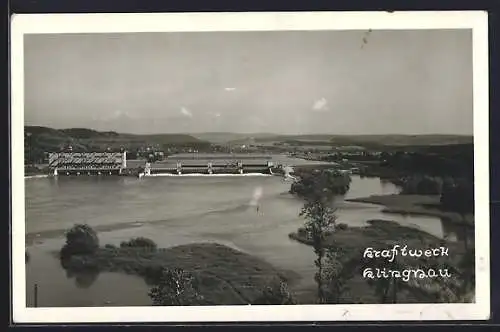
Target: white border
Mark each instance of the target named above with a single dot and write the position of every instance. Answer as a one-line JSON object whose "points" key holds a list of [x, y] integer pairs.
{"points": [[105, 23]]}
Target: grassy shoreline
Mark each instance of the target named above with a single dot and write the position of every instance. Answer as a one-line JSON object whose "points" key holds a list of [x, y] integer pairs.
{"points": [[226, 276], [423, 205], [384, 234]]}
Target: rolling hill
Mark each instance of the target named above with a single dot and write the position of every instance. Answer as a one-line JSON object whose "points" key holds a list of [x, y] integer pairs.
{"points": [[224, 137], [44, 139], [368, 140]]}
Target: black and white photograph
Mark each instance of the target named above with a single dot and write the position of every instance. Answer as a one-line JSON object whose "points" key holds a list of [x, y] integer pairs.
{"points": [[250, 166]]}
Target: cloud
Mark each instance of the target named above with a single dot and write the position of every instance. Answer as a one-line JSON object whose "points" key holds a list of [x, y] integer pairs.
{"points": [[229, 89], [320, 105], [217, 115], [117, 114], [186, 112]]}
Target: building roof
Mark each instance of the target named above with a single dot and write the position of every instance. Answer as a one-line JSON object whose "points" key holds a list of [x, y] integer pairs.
{"points": [[85, 159]]}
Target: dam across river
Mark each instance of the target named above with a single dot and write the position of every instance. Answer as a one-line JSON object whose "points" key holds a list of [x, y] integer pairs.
{"points": [[93, 163], [213, 164]]}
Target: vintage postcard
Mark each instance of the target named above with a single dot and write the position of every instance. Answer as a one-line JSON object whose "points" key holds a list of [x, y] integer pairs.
{"points": [[213, 167]]}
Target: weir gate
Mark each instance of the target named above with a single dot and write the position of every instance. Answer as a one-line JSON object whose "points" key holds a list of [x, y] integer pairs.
{"points": [[210, 167]]}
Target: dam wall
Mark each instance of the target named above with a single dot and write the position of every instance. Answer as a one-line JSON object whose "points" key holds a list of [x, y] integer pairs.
{"points": [[238, 167], [115, 163]]}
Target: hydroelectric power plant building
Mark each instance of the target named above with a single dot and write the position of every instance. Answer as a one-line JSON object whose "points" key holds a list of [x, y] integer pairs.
{"points": [[111, 163], [87, 163]]}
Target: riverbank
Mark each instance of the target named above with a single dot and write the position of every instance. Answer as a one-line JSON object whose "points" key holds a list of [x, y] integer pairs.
{"points": [[424, 205], [33, 171], [224, 275], [384, 234], [37, 176]]}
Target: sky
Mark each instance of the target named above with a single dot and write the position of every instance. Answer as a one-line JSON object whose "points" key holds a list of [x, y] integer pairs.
{"points": [[286, 82]]}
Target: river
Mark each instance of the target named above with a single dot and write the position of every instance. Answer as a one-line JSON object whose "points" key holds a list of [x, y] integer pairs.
{"points": [[173, 211]]}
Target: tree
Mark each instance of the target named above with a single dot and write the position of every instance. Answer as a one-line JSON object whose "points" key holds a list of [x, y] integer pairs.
{"points": [[81, 239], [175, 287], [341, 266], [421, 185], [468, 273], [386, 289], [319, 212], [320, 219], [458, 196]]}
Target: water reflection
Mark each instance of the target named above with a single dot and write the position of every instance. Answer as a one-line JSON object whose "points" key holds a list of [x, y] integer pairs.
{"points": [[389, 187], [84, 274], [75, 267], [83, 279]]}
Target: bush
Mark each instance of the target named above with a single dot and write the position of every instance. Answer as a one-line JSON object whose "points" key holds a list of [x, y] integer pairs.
{"points": [[321, 184], [139, 242], [276, 293], [110, 246], [341, 227], [302, 232], [153, 274], [80, 240]]}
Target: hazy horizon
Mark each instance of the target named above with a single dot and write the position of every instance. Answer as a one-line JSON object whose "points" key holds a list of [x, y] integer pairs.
{"points": [[257, 133], [393, 82]]}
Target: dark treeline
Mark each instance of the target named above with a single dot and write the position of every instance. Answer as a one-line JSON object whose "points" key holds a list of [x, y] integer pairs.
{"points": [[451, 161], [458, 196], [421, 185], [447, 171]]}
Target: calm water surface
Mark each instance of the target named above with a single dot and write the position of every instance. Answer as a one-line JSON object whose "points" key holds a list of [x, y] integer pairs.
{"points": [[173, 211]]}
